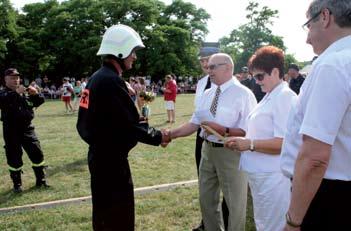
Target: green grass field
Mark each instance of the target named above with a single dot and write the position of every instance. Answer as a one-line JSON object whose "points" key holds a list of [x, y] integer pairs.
{"points": [[68, 175]]}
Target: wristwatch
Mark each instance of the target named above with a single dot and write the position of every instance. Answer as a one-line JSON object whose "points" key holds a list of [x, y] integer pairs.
{"points": [[252, 145], [226, 134]]}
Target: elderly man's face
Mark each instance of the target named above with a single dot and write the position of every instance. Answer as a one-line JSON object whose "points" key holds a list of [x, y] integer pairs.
{"points": [[316, 31], [217, 69]]}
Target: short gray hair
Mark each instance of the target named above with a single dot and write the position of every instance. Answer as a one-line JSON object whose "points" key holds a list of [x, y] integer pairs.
{"points": [[340, 9]]}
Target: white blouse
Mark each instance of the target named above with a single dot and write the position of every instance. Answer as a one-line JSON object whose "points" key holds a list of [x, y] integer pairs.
{"points": [[268, 120]]}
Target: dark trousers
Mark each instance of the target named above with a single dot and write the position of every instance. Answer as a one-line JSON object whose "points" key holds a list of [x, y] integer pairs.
{"points": [[112, 195], [199, 141], [330, 208], [16, 137]]}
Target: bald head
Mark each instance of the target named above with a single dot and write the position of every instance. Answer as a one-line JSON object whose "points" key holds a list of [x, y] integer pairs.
{"points": [[220, 68], [222, 57]]}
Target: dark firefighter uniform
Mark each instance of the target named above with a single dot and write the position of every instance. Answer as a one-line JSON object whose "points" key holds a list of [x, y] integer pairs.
{"points": [[295, 84], [109, 122], [18, 131]]}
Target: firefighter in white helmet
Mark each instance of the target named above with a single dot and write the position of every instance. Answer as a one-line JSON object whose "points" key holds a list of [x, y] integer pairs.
{"points": [[109, 122]]}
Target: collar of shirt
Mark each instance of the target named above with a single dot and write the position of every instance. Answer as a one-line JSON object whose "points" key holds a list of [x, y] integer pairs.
{"points": [[269, 96], [223, 86], [275, 91], [341, 44]]}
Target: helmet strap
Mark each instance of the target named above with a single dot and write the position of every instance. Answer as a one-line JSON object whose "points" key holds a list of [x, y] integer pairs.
{"points": [[121, 63], [116, 62]]}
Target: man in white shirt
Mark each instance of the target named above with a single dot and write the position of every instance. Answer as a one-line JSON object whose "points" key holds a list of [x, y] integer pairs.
{"points": [[316, 151], [223, 107], [203, 84]]}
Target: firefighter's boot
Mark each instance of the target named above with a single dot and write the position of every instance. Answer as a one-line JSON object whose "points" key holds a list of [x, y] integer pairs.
{"points": [[40, 177], [17, 181]]}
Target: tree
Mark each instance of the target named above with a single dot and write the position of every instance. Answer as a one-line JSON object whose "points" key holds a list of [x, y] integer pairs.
{"points": [[185, 15], [31, 45], [141, 15], [168, 51], [245, 40], [288, 60], [173, 43], [7, 30], [61, 39]]}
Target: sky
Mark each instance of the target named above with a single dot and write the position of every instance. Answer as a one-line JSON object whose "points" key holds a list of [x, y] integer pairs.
{"points": [[227, 15]]}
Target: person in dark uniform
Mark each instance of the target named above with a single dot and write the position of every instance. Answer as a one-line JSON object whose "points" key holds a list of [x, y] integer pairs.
{"points": [[250, 83], [296, 79], [109, 122], [16, 104], [203, 84], [245, 78]]}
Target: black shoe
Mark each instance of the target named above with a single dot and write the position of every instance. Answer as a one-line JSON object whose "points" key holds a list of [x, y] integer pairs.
{"points": [[40, 184], [17, 189], [201, 227]]}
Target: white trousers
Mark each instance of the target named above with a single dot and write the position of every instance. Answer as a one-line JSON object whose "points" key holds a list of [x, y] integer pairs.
{"points": [[271, 197]]}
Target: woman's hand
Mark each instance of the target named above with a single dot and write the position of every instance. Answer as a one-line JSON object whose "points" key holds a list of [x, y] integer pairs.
{"points": [[237, 143]]}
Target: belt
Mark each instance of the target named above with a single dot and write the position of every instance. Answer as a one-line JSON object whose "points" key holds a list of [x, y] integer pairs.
{"points": [[214, 145]]}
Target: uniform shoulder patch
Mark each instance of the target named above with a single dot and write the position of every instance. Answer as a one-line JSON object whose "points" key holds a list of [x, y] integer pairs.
{"points": [[84, 100]]}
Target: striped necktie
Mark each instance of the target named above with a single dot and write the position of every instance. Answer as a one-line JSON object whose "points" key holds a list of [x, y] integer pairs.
{"points": [[214, 104]]}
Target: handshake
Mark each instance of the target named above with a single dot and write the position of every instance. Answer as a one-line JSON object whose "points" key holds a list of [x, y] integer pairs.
{"points": [[166, 137]]}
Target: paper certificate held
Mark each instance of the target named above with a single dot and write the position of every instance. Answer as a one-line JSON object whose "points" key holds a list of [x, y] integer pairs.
{"points": [[212, 131]]}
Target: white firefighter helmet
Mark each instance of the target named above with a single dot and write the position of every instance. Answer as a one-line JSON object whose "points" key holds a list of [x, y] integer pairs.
{"points": [[120, 40]]}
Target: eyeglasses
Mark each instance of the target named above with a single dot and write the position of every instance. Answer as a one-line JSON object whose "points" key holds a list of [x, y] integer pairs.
{"points": [[306, 26], [259, 76], [214, 66]]}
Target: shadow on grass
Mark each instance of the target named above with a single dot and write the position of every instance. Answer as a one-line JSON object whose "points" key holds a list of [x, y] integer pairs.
{"points": [[67, 168], [70, 168], [10, 194], [63, 115], [158, 114]]}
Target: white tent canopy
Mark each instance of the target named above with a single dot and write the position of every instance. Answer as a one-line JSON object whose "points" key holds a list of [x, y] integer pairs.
{"points": [[306, 69]]}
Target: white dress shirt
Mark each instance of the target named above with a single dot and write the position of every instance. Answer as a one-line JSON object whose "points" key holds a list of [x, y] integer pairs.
{"points": [[200, 88], [267, 121], [234, 105], [323, 111]]}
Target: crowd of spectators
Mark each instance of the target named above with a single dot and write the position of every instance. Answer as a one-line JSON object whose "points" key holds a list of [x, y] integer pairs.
{"points": [[50, 89], [53, 90]]}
